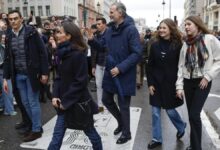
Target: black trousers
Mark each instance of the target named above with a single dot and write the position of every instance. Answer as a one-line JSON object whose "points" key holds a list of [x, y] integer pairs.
{"points": [[123, 115], [195, 100]]}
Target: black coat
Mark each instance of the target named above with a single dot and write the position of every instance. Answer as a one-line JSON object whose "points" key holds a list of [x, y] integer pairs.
{"points": [[71, 83], [162, 73], [36, 54]]}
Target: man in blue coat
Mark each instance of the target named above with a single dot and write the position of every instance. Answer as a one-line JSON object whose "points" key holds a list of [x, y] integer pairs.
{"points": [[122, 42]]}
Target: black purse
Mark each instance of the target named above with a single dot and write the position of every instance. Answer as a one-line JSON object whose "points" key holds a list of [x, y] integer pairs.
{"points": [[79, 116]]}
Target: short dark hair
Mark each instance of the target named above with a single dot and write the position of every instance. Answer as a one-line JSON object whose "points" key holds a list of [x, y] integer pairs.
{"points": [[93, 26], [102, 19], [15, 11]]}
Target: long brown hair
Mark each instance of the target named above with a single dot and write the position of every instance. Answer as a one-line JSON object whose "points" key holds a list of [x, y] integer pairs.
{"points": [[76, 36], [199, 23], [175, 36]]}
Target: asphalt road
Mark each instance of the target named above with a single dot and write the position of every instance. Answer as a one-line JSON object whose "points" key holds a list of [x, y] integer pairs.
{"points": [[10, 140]]}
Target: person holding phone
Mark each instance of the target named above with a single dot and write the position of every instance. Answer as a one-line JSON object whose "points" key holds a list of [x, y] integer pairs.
{"points": [[70, 84]]}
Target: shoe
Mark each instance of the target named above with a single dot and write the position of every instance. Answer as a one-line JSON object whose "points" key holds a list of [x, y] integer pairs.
{"points": [[20, 125], [10, 114], [189, 148], [32, 136], [118, 130], [24, 131], [154, 144], [101, 109], [123, 139], [180, 135]]}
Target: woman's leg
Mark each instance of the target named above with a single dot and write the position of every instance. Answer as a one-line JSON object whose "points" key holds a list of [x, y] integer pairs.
{"points": [[58, 134], [176, 120], [94, 138], [156, 124]]}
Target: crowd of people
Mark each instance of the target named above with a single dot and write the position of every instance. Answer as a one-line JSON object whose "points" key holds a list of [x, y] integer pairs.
{"points": [[179, 68]]}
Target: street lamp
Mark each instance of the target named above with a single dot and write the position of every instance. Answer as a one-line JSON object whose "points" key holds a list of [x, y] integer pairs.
{"points": [[163, 3], [170, 9], [98, 7]]}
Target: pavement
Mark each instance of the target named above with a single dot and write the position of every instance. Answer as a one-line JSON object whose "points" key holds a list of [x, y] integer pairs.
{"points": [[11, 140]]}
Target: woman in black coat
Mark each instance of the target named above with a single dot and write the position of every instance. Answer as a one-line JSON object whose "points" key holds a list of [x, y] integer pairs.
{"points": [[161, 76], [70, 87]]}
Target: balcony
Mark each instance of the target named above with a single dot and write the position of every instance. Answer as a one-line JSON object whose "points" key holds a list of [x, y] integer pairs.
{"points": [[214, 5]]}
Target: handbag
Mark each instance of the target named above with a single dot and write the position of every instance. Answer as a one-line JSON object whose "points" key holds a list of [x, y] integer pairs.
{"points": [[78, 116]]}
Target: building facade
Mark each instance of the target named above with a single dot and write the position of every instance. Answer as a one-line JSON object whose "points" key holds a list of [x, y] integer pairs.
{"points": [[43, 8], [211, 14], [193, 7], [1, 6]]}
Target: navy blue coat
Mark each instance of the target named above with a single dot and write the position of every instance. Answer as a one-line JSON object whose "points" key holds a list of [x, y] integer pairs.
{"points": [[70, 85], [162, 74], [36, 54], [123, 44]]}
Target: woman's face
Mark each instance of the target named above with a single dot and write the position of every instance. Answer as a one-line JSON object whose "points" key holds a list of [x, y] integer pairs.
{"points": [[61, 36], [190, 28], [51, 39], [164, 31]]}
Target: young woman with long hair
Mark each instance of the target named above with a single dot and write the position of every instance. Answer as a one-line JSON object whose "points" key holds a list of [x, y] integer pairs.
{"points": [[199, 64]]}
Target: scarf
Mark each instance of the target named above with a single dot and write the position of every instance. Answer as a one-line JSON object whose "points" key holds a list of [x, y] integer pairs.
{"points": [[63, 49], [196, 47]]}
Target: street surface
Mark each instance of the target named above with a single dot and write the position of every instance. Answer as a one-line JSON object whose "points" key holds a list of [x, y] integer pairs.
{"points": [[10, 140]]}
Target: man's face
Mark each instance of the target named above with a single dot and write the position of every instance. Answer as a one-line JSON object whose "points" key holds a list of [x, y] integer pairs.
{"points": [[15, 21], [100, 26], [114, 15]]}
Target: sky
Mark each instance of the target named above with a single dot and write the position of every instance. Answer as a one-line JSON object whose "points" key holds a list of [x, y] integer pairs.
{"points": [[152, 10]]}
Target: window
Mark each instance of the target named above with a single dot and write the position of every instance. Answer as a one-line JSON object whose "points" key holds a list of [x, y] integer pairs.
{"points": [[9, 9], [32, 10], [25, 13], [17, 8], [40, 11], [47, 10], [9, 1]]}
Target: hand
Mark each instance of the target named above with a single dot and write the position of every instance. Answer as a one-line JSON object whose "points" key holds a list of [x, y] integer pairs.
{"points": [[56, 102], [115, 71], [203, 83], [93, 71], [151, 90], [44, 79], [53, 43], [180, 94], [90, 35], [5, 86]]}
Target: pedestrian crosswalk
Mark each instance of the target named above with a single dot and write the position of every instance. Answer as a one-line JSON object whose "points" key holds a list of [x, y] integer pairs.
{"points": [[75, 139]]}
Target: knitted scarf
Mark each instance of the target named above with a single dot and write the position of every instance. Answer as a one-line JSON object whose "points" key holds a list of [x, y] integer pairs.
{"points": [[196, 47]]}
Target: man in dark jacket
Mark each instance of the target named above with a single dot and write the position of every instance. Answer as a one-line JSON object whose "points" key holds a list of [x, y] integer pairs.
{"points": [[124, 51], [98, 61], [26, 63]]}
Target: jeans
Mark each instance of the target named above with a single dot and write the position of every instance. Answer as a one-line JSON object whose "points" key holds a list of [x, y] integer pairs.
{"points": [[30, 100], [8, 99], [156, 122], [99, 73], [123, 115], [195, 100], [59, 131]]}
